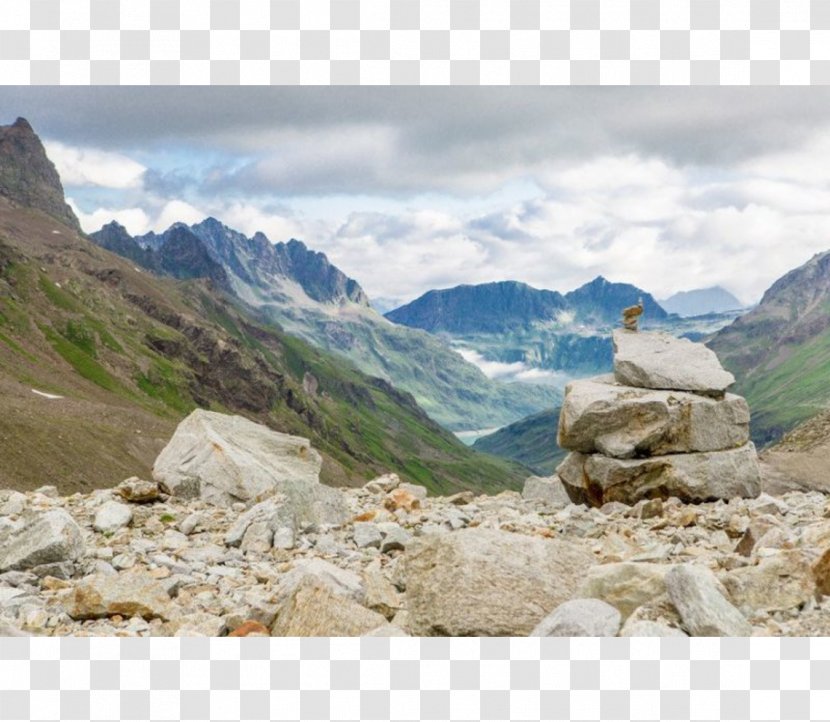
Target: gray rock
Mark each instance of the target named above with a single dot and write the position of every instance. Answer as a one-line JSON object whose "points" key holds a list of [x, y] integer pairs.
{"points": [[255, 529], [51, 537], [661, 361], [779, 582], [599, 415], [383, 484], [548, 489], [418, 491], [226, 459], [580, 618], [189, 523], [112, 516], [703, 476], [624, 585], [14, 505], [647, 628], [366, 534], [485, 582], [314, 609], [704, 610], [342, 582], [395, 537]]}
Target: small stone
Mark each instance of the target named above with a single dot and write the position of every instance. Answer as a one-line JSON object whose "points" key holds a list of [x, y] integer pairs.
{"points": [[395, 537], [614, 507], [48, 491], [123, 561], [173, 539], [284, 538], [401, 499], [580, 618], [138, 491], [251, 628], [366, 534], [695, 593], [112, 516], [14, 505], [647, 628], [189, 523], [383, 484], [545, 489], [381, 595], [462, 498], [418, 491], [201, 624]]}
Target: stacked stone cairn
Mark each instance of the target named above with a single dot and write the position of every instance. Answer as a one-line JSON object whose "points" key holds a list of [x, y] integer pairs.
{"points": [[662, 425]]}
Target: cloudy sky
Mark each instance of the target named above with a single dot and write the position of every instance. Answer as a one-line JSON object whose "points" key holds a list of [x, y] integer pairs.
{"points": [[408, 189]]}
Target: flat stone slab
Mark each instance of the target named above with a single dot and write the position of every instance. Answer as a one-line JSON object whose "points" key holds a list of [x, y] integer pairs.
{"points": [[600, 415], [656, 360], [705, 476]]}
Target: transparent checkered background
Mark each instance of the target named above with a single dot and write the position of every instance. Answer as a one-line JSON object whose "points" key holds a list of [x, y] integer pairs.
{"points": [[415, 41], [411, 679], [411, 42]]}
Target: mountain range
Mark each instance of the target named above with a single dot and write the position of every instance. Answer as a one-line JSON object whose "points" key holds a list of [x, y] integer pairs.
{"points": [[780, 350], [505, 306], [701, 301], [301, 291], [101, 358]]}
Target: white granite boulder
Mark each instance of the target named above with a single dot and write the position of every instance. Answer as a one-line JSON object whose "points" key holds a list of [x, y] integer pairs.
{"points": [[655, 360], [599, 415], [224, 459]]}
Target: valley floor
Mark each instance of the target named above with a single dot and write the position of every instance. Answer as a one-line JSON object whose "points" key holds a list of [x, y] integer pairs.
{"points": [[188, 578]]}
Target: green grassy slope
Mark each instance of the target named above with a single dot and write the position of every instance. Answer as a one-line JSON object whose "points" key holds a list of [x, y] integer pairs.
{"points": [[531, 441], [132, 354]]}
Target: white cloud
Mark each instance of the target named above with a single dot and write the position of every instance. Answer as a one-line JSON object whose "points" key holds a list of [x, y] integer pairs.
{"points": [[93, 167], [135, 220], [516, 371]]}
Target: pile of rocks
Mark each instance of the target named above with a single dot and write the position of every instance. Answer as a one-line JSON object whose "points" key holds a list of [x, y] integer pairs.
{"points": [[662, 425], [216, 545]]}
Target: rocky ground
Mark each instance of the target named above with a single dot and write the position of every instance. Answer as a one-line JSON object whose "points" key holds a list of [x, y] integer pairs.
{"points": [[405, 563]]}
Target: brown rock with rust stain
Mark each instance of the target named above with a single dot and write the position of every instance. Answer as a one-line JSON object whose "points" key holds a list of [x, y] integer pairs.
{"points": [[138, 490], [251, 628], [821, 573], [401, 499], [129, 594]]}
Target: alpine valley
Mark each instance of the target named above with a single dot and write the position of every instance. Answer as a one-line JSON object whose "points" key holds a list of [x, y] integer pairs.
{"points": [[102, 353]]}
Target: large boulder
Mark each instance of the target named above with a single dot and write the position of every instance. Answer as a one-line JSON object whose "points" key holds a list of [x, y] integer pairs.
{"points": [[599, 415], [224, 459], [48, 538], [697, 477], [777, 583], [661, 361], [486, 582]]}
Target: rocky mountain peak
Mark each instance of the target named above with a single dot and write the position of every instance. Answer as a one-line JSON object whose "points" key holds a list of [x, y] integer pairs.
{"points": [[27, 176]]}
